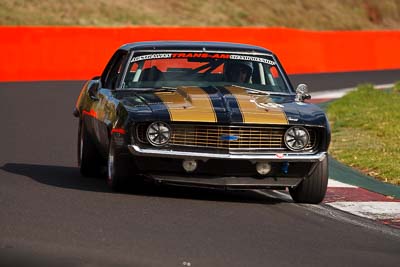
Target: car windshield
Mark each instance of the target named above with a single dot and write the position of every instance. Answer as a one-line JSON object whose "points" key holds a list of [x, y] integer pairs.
{"points": [[161, 70]]}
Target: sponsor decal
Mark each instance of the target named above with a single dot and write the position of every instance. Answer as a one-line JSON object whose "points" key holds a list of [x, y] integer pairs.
{"points": [[203, 55], [200, 55], [250, 58], [150, 56], [265, 105], [292, 119]]}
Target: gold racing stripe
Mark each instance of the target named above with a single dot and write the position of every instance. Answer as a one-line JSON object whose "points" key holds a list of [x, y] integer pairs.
{"points": [[189, 104], [257, 109]]}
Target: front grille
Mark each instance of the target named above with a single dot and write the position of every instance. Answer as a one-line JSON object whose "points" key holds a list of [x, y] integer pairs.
{"points": [[248, 138], [210, 137]]}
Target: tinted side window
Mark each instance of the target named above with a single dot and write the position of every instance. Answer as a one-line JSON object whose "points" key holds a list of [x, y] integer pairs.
{"points": [[114, 70]]}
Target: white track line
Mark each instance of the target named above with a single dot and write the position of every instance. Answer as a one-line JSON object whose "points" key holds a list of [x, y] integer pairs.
{"points": [[334, 183], [372, 210], [341, 92], [285, 196], [375, 210]]}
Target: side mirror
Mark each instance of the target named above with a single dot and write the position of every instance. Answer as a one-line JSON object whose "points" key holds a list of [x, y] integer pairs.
{"points": [[93, 89], [302, 93]]}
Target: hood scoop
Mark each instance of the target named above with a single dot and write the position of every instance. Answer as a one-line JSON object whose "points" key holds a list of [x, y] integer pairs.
{"points": [[188, 104]]}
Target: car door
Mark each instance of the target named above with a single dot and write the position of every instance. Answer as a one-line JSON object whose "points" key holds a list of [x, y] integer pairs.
{"points": [[105, 106]]}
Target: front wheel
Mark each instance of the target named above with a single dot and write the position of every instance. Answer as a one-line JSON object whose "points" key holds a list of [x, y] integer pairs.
{"points": [[120, 169], [89, 159], [312, 190]]}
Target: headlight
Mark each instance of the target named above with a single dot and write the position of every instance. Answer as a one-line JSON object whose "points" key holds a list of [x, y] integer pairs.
{"points": [[296, 138], [158, 133]]}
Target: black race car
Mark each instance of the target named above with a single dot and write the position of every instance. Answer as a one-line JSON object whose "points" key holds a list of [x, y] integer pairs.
{"points": [[205, 114]]}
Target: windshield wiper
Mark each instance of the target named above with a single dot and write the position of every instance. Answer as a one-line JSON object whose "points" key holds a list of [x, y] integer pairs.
{"points": [[251, 90], [262, 92], [165, 89], [152, 89], [279, 93], [257, 92]]}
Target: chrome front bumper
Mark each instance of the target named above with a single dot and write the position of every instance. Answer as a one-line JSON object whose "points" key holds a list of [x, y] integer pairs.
{"points": [[273, 157]]}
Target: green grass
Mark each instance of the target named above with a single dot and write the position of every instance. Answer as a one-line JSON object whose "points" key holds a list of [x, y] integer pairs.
{"points": [[305, 14], [366, 131]]}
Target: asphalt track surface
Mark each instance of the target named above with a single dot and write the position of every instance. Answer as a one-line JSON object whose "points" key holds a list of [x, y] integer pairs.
{"points": [[51, 216]]}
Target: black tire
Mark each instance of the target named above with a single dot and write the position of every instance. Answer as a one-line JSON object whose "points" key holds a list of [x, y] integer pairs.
{"points": [[120, 169], [312, 190], [89, 160]]}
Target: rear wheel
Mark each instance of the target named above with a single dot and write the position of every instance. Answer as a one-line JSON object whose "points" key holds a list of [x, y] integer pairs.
{"points": [[89, 159], [313, 189]]}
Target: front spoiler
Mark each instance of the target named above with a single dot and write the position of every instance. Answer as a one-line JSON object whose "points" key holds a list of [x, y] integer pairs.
{"points": [[227, 182], [273, 157]]}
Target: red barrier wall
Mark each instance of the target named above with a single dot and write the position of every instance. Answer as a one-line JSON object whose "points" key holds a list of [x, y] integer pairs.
{"points": [[71, 53]]}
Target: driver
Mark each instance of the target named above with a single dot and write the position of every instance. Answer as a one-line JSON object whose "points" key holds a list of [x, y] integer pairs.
{"points": [[238, 71]]}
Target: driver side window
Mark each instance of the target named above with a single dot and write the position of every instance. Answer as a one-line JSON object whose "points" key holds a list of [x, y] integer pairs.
{"points": [[115, 70]]}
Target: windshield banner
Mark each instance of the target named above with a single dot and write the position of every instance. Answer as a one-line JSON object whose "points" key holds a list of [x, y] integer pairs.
{"points": [[203, 55]]}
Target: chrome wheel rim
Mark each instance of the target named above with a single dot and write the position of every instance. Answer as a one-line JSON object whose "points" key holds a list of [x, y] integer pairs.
{"points": [[110, 168], [81, 149]]}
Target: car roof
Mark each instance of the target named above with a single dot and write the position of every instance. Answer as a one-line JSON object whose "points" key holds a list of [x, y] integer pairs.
{"points": [[190, 45]]}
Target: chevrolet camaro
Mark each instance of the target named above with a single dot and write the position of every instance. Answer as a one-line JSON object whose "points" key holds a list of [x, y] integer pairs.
{"points": [[205, 114]]}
